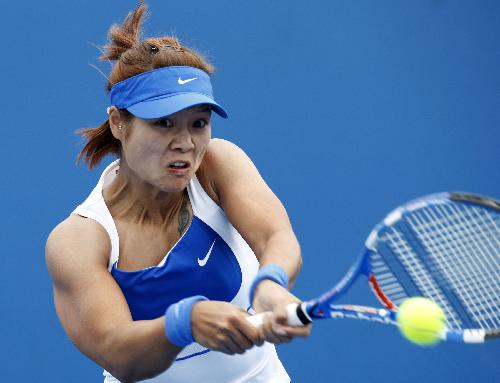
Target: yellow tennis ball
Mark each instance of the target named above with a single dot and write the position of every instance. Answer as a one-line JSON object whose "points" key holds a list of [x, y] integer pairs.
{"points": [[421, 321]]}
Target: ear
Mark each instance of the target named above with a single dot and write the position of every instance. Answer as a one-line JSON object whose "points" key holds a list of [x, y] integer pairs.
{"points": [[116, 123]]}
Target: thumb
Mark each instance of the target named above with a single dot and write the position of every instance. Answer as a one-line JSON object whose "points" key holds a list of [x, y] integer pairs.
{"points": [[280, 316], [278, 321]]}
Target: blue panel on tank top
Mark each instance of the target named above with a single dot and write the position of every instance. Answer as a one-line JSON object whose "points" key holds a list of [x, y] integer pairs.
{"points": [[150, 291]]}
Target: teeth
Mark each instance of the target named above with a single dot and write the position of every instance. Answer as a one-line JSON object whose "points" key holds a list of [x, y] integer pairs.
{"points": [[179, 164]]}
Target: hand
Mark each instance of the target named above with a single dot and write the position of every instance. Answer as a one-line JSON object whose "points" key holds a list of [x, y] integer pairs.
{"points": [[273, 298], [222, 326]]}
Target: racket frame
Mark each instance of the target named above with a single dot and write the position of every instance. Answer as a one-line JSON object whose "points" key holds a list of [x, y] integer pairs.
{"points": [[322, 307]]}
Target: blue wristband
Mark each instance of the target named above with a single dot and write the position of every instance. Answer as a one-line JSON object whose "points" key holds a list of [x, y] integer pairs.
{"points": [[178, 321], [273, 272]]}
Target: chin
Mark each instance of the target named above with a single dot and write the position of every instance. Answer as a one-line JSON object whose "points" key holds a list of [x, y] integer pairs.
{"points": [[174, 187]]}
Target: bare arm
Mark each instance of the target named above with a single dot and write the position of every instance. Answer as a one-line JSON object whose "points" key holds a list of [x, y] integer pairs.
{"points": [[261, 219], [96, 317], [252, 207], [93, 310]]}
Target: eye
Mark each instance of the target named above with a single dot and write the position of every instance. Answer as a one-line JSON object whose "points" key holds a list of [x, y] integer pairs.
{"points": [[164, 123], [200, 123]]}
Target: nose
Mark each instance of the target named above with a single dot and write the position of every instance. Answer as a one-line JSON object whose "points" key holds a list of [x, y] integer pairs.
{"points": [[182, 140]]}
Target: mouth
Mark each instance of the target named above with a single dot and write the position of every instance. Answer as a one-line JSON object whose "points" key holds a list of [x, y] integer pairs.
{"points": [[179, 166]]}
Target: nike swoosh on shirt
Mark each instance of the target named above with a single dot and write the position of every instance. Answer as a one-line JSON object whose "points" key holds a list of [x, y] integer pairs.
{"points": [[182, 82], [203, 262]]}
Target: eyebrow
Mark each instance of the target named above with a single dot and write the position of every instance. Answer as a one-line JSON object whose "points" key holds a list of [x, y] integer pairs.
{"points": [[202, 108]]}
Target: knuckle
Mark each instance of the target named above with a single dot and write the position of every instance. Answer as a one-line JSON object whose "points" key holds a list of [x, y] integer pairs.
{"points": [[274, 340], [226, 326], [248, 345], [233, 319], [262, 339], [221, 338]]}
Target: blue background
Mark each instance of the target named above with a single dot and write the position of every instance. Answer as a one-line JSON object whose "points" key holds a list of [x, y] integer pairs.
{"points": [[348, 108]]}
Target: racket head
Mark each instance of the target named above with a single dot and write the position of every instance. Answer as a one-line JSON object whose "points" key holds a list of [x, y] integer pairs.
{"points": [[445, 247]]}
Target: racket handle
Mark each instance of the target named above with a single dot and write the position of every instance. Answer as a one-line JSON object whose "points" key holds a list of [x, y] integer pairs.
{"points": [[258, 319], [294, 312]]}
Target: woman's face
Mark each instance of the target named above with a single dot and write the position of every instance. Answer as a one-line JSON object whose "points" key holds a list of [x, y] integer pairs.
{"points": [[166, 152]]}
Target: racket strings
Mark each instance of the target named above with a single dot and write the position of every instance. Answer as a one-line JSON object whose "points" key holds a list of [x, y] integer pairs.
{"points": [[487, 243], [388, 283], [418, 274], [481, 276], [469, 235], [442, 245], [461, 245]]}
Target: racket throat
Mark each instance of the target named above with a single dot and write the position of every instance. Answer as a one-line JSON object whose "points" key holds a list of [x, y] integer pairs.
{"points": [[379, 293]]}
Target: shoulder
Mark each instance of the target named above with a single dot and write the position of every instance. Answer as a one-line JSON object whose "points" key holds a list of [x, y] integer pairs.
{"points": [[222, 159], [221, 154], [74, 242], [219, 146]]}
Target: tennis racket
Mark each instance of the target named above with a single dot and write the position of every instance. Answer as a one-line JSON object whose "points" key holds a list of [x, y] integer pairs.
{"points": [[445, 247]]}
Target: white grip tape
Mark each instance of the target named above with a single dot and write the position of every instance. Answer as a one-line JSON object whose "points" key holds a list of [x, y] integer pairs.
{"points": [[291, 312], [258, 319]]}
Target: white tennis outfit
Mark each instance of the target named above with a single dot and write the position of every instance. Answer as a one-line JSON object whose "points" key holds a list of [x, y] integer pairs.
{"points": [[210, 259]]}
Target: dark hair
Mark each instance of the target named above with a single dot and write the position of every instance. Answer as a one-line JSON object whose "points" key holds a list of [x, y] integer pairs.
{"points": [[132, 57]]}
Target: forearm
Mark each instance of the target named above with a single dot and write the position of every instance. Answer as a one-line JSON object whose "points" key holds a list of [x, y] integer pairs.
{"points": [[138, 350], [282, 249]]}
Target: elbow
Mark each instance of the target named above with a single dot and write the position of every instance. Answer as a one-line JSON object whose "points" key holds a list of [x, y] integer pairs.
{"points": [[298, 255], [125, 378], [122, 374], [299, 262], [121, 370], [129, 358], [297, 265], [130, 372], [125, 375]]}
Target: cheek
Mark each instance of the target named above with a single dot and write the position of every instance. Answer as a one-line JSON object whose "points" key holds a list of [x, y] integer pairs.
{"points": [[142, 146], [202, 145]]}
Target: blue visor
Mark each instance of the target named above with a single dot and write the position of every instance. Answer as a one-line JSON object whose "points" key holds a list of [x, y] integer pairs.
{"points": [[164, 91]]}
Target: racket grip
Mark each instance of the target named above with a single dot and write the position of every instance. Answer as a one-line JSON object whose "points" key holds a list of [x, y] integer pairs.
{"points": [[258, 319], [293, 310]]}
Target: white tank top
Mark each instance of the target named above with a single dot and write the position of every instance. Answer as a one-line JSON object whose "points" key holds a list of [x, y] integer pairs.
{"points": [[211, 259]]}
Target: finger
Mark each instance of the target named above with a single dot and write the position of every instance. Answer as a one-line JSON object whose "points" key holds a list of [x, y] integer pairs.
{"points": [[252, 333], [280, 316], [241, 339], [300, 331], [224, 349], [281, 333], [219, 343], [269, 332], [235, 342], [257, 338]]}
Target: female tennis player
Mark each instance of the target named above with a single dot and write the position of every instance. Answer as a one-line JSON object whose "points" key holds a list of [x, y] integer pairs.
{"points": [[157, 270]]}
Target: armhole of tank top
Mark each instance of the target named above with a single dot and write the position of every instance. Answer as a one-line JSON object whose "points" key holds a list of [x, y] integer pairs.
{"points": [[110, 229], [200, 200]]}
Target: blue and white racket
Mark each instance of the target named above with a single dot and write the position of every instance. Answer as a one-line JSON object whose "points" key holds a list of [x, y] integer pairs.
{"points": [[445, 247]]}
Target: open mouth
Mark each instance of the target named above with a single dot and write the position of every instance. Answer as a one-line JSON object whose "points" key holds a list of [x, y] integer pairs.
{"points": [[179, 165]]}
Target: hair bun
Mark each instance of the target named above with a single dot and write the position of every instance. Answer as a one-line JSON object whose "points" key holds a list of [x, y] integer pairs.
{"points": [[125, 36]]}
